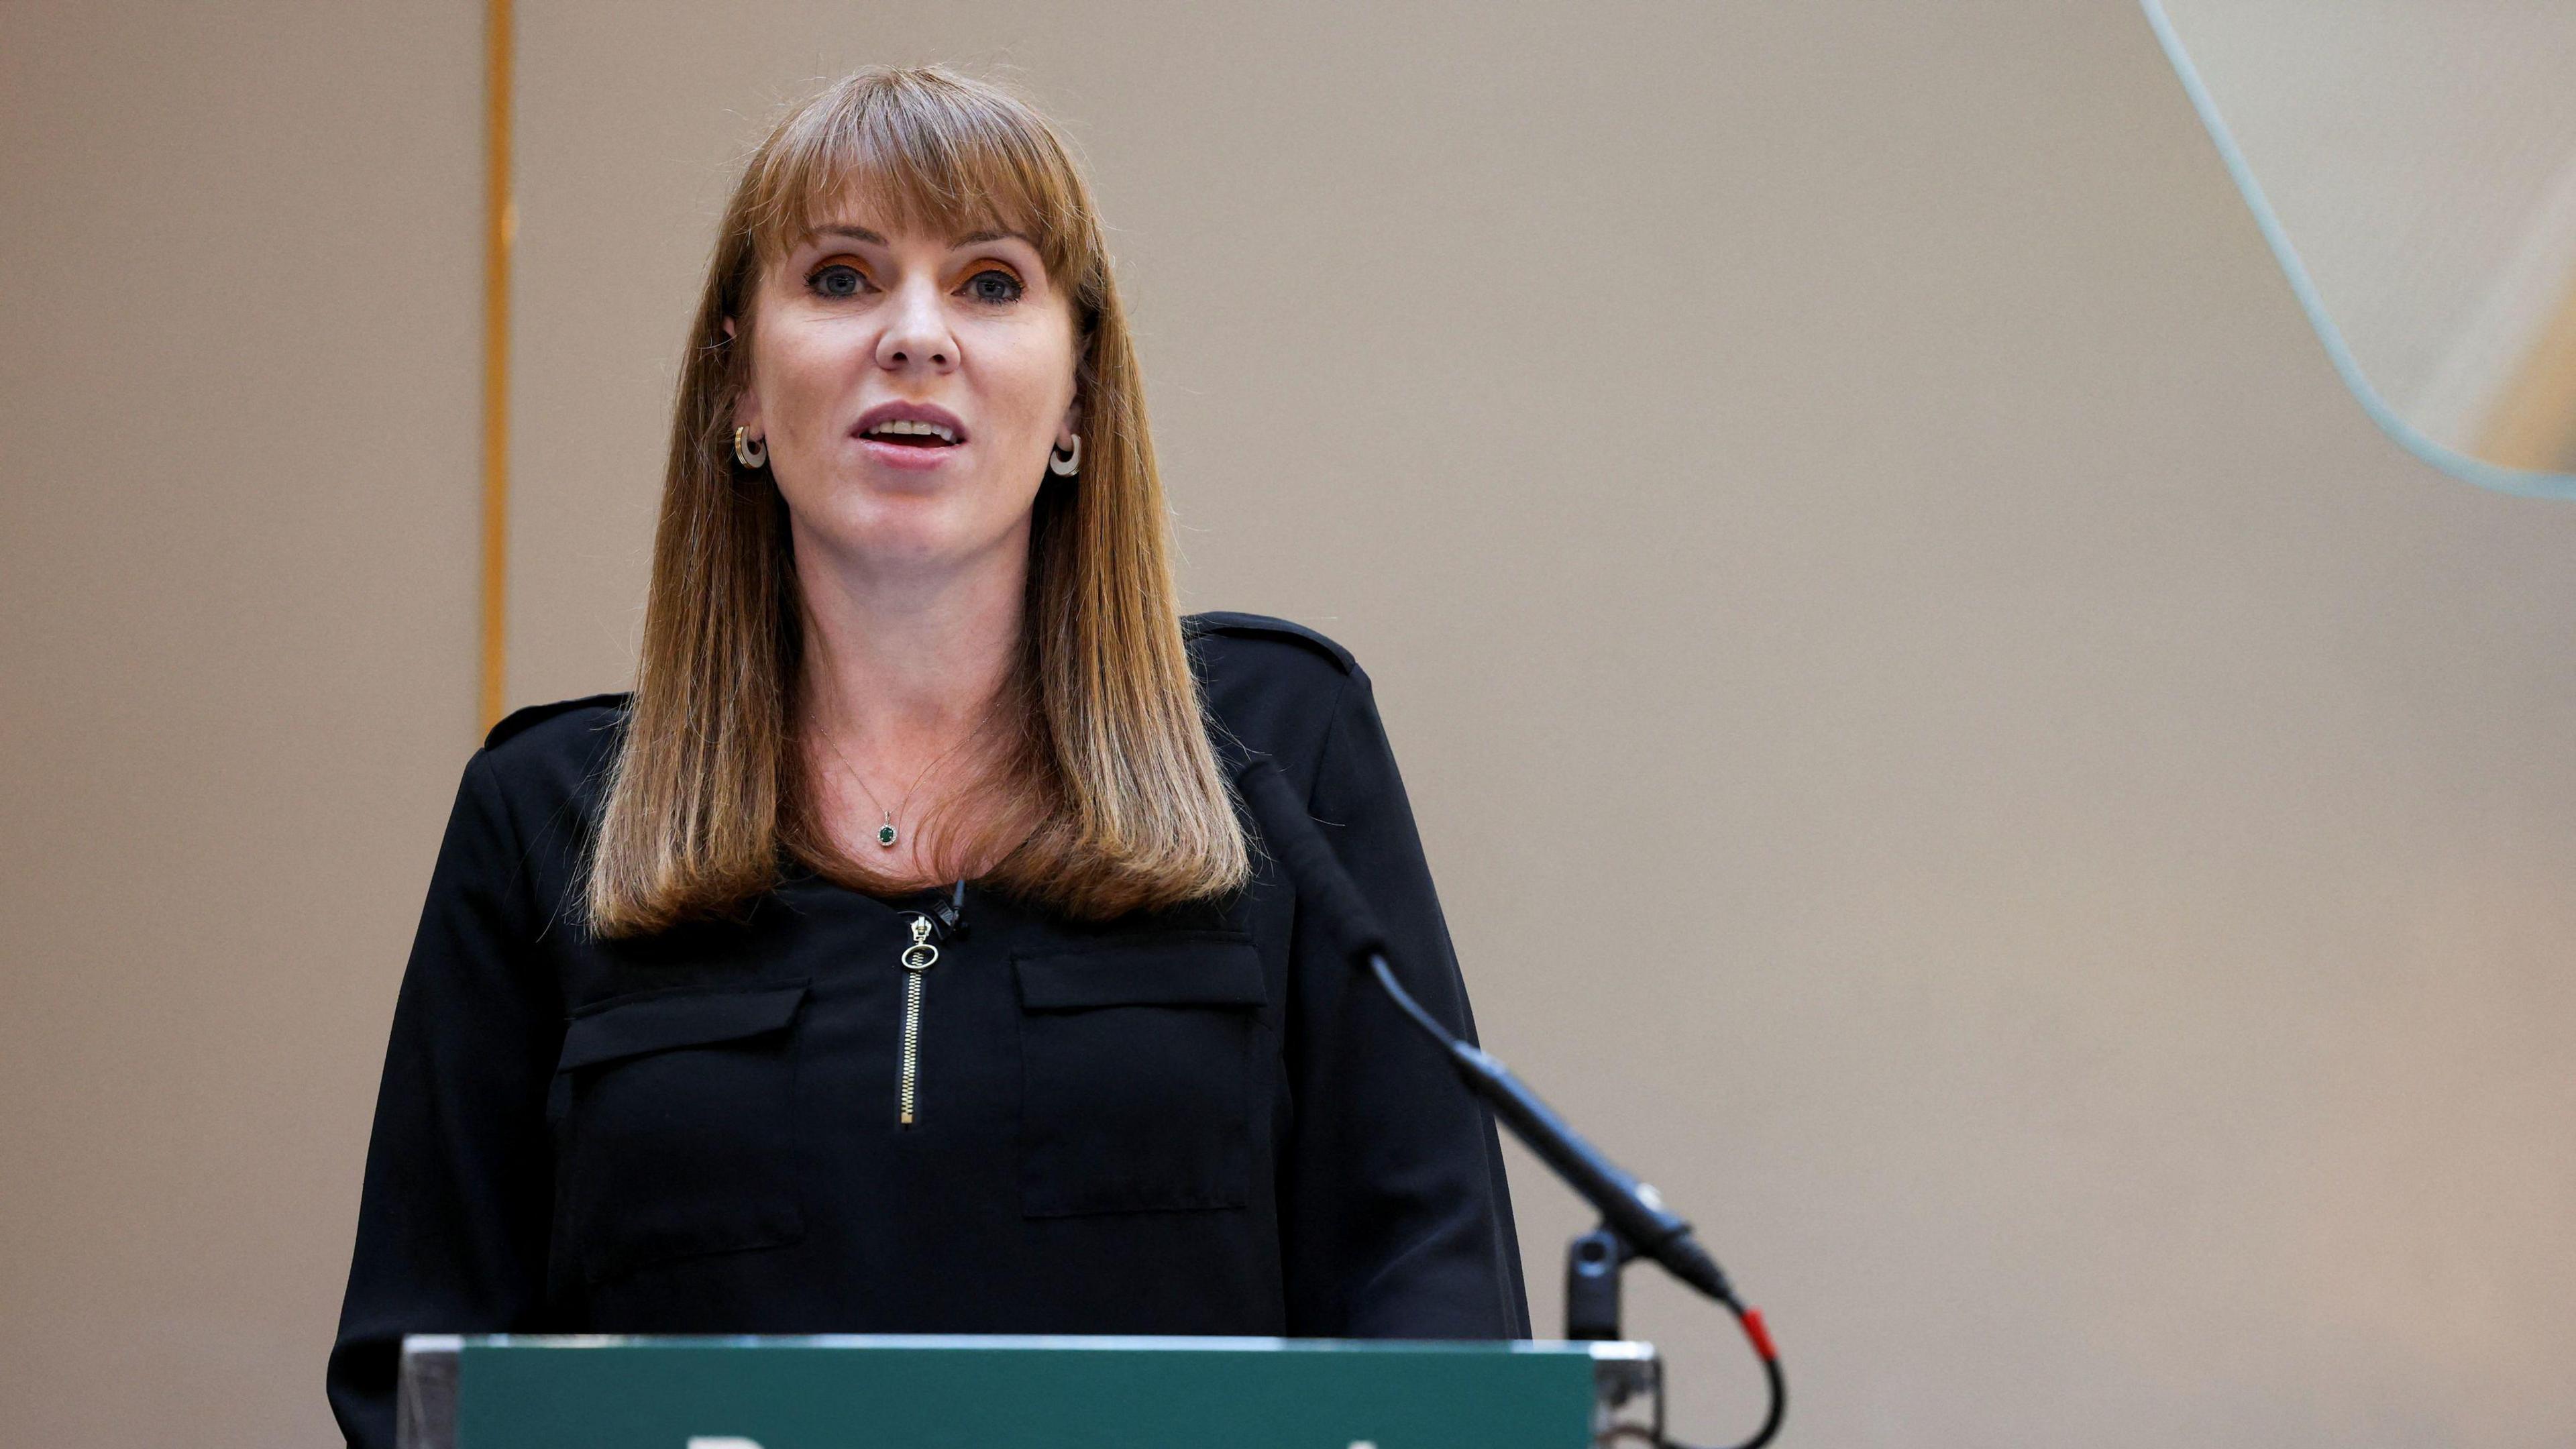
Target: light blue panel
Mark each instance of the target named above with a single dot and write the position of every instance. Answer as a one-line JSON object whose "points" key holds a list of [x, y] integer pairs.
{"points": [[2459, 465]]}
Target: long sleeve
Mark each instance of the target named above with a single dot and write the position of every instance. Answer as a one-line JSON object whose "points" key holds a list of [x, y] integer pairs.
{"points": [[454, 1212], [1396, 1219]]}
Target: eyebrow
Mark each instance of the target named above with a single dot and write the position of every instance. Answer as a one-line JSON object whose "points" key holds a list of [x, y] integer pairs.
{"points": [[860, 233]]}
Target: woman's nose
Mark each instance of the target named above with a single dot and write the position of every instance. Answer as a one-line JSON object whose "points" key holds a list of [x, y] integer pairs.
{"points": [[916, 333]]}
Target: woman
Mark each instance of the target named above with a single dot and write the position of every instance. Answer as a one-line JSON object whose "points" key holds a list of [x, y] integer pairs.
{"points": [[894, 958]]}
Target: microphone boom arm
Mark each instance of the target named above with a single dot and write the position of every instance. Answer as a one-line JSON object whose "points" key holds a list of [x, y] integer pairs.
{"points": [[1632, 1212]]}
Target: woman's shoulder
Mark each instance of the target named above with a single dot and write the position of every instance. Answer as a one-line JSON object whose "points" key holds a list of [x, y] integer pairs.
{"points": [[550, 751], [1258, 654], [1274, 684], [1257, 635], [577, 725]]}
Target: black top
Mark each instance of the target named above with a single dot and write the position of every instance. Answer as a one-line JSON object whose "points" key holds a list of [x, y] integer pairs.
{"points": [[1195, 1121]]}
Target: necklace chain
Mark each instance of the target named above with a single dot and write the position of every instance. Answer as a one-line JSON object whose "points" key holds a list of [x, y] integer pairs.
{"points": [[887, 834]]}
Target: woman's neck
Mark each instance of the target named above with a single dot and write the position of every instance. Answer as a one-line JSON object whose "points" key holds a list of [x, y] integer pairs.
{"points": [[901, 663]]}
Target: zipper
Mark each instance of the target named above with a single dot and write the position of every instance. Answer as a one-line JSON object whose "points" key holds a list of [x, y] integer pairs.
{"points": [[916, 961]]}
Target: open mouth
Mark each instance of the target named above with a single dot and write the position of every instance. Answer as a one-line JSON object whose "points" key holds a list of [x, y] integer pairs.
{"points": [[911, 435]]}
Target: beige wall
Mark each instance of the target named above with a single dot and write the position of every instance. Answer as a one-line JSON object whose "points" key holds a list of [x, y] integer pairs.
{"points": [[1943, 733], [239, 248]]}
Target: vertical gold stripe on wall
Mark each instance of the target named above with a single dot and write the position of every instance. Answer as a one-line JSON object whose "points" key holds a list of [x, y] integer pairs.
{"points": [[501, 227]]}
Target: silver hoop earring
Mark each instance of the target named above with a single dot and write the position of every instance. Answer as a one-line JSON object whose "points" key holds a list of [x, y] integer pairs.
{"points": [[749, 452], [1065, 465]]}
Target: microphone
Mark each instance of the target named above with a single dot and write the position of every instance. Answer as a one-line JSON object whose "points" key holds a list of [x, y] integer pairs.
{"points": [[1631, 1208], [1635, 1221]]}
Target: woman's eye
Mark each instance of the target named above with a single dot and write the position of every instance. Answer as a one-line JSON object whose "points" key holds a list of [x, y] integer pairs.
{"points": [[994, 285], [836, 280]]}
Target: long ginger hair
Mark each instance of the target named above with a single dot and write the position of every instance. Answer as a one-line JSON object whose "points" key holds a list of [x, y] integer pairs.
{"points": [[1104, 795]]}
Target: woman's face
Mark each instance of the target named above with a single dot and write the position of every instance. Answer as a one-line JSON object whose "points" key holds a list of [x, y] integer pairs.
{"points": [[909, 387]]}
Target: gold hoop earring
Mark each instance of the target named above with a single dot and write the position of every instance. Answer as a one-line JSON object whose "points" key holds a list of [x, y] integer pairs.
{"points": [[749, 452]]}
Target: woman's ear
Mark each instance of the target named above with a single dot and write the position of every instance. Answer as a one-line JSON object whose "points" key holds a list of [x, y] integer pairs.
{"points": [[1072, 428]]}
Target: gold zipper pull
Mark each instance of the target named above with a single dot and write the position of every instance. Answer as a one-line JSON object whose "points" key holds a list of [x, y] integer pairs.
{"points": [[916, 959]]}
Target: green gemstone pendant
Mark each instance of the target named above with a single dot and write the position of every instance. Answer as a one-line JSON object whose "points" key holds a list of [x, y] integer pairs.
{"points": [[885, 835]]}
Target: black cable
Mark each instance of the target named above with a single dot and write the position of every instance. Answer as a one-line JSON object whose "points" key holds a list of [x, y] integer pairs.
{"points": [[1750, 1320]]}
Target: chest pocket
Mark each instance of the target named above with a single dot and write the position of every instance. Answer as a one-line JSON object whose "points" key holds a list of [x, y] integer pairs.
{"points": [[1136, 1064], [678, 1136]]}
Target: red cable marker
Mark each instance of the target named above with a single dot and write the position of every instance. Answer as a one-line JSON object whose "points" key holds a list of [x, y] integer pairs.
{"points": [[1760, 1334]]}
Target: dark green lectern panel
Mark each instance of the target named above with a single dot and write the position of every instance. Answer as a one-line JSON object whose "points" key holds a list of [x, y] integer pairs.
{"points": [[1018, 1393]]}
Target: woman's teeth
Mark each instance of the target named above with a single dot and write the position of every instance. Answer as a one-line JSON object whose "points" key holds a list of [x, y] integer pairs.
{"points": [[929, 435]]}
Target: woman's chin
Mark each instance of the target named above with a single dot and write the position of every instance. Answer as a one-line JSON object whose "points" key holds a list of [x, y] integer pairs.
{"points": [[906, 529]]}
